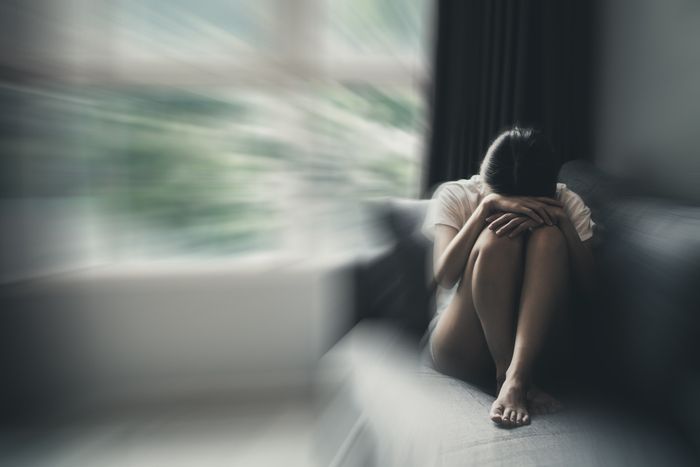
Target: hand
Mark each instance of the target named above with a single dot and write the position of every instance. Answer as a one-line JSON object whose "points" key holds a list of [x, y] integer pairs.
{"points": [[540, 209], [510, 224], [557, 214]]}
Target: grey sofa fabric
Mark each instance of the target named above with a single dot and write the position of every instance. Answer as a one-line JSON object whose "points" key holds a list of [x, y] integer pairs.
{"points": [[645, 319], [650, 276], [404, 413], [403, 217], [395, 285]]}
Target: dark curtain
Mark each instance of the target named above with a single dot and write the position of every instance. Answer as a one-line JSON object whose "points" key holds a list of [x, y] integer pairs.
{"points": [[503, 62]]}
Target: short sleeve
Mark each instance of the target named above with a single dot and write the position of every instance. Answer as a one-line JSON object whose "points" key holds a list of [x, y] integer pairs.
{"points": [[580, 215], [445, 208]]}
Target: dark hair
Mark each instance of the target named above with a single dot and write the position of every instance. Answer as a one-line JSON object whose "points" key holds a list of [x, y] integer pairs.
{"points": [[520, 162]]}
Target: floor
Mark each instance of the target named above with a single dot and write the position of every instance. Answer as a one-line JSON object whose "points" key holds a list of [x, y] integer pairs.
{"points": [[250, 434]]}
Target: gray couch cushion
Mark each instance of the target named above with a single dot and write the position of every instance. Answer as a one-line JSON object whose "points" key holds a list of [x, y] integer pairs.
{"points": [[410, 415], [395, 285], [403, 216]]}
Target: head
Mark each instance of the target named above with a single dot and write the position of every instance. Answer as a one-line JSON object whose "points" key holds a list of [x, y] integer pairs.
{"points": [[520, 162]]}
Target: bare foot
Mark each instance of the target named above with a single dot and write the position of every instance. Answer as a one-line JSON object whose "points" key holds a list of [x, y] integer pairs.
{"points": [[510, 407], [542, 403]]}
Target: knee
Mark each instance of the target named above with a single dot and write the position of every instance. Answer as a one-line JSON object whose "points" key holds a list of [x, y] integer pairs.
{"points": [[490, 244], [548, 238]]}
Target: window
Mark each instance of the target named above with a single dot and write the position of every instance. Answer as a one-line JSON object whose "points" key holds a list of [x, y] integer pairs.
{"points": [[222, 127]]}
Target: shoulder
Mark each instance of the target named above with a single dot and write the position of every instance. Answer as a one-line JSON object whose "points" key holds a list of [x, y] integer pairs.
{"points": [[454, 186], [574, 205], [568, 196], [578, 212]]}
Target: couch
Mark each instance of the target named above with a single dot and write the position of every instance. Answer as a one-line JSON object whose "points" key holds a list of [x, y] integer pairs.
{"points": [[633, 394]]}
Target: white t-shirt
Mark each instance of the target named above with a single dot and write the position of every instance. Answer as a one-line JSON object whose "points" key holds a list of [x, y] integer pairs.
{"points": [[454, 202]]}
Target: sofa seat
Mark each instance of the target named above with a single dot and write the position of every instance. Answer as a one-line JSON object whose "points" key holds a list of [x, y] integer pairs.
{"points": [[400, 412]]}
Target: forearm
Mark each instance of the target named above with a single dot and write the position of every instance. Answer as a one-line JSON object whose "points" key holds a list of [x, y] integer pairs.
{"points": [[450, 264], [580, 258]]}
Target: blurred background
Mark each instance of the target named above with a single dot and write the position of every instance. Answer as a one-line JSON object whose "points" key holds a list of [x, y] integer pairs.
{"points": [[160, 129], [181, 185]]}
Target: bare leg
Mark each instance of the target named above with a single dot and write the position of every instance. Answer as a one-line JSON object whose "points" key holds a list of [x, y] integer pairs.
{"points": [[496, 283], [478, 328], [545, 283]]}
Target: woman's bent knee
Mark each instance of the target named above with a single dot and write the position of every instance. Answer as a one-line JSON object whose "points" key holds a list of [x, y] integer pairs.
{"points": [[489, 243], [548, 238]]}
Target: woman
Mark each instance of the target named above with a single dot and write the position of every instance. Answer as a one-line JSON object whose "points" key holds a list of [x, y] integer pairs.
{"points": [[510, 242]]}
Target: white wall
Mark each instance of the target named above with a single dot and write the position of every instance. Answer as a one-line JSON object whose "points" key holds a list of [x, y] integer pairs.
{"points": [[125, 332], [649, 123]]}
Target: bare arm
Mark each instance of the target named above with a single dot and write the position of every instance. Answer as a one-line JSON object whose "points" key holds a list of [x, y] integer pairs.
{"points": [[452, 247]]}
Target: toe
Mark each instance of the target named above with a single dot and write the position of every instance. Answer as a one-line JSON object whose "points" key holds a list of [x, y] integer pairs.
{"points": [[519, 419], [526, 419], [506, 416], [513, 417], [496, 413], [523, 414]]}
